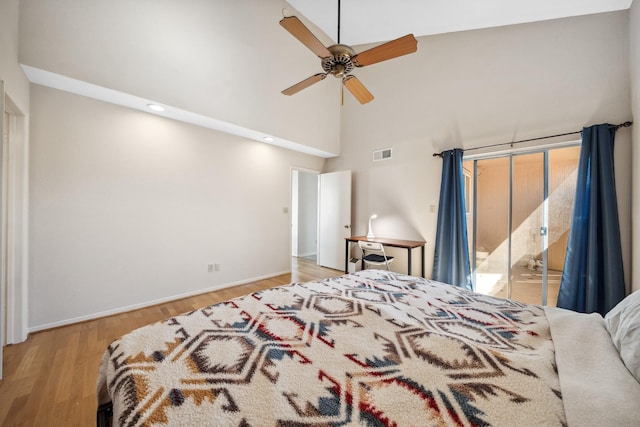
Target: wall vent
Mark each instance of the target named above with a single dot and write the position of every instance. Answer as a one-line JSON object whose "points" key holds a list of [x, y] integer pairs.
{"points": [[384, 154]]}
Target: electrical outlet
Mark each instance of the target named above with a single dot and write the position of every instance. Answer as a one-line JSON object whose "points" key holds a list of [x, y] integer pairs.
{"points": [[216, 267], [210, 268]]}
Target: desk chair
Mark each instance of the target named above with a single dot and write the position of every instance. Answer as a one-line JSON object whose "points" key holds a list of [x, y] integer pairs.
{"points": [[376, 254]]}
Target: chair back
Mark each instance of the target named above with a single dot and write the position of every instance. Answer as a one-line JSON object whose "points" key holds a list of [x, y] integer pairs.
{"points": [[370, 246], [376, 255]]}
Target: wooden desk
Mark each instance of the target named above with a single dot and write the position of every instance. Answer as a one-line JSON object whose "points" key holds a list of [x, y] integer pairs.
{"points": [[395, 243]]}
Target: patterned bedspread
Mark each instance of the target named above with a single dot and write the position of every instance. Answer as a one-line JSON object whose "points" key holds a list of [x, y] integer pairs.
{"points": [[368, 349]]}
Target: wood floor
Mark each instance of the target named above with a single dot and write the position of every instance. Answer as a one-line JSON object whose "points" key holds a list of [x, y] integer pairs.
{"points": [[50, 379]]}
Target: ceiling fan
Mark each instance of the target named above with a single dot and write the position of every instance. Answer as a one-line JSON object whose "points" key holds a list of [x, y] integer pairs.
{"points": [[339, 59]]}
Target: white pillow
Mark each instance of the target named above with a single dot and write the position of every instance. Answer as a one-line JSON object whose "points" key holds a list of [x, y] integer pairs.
{"points": [[623, 324]]}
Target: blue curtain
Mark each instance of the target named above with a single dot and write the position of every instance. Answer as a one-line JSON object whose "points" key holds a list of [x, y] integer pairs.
{"points": [[593, 278], [451, 259]]}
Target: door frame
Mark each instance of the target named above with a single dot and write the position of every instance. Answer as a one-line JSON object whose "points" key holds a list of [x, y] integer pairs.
{"points": [[511, 153], [295, 201], [14, 220], [3, 282]]}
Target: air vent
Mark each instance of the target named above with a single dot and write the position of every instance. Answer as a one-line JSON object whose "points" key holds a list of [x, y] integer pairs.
{"points": [[384, 154]]}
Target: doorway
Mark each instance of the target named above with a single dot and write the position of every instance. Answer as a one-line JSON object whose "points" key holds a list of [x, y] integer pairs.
{"points": [[304, 214], [519, 209], [320, 216]]}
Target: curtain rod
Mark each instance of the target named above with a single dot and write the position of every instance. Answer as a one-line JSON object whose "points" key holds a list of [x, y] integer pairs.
{"points": [[616, 127]]}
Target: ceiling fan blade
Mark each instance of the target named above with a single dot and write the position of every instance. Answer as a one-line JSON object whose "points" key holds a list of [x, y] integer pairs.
{"points": [[304, 84], [357, 89], [394, 48], [306, 37]]}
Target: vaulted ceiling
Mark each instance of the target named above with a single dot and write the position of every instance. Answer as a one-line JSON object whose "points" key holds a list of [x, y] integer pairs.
{"points": [[369, 21], [201, 62]]}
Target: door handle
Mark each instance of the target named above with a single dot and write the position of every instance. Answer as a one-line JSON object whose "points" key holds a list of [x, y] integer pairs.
{"points": [[347, 226]]}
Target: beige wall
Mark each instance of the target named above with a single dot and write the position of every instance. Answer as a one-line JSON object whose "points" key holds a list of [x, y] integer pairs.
{"points": [[142, 204], [634, 56], [307, 213], [129, 208], [481, 87], [223, 59]]}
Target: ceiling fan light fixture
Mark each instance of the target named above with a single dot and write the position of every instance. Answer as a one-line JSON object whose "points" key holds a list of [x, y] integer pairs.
{"points": [[339, 70], [156, 107]]}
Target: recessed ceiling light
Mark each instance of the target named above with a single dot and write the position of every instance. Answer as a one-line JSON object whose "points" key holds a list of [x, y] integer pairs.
{"points": [[155, 107], [268, 139]]}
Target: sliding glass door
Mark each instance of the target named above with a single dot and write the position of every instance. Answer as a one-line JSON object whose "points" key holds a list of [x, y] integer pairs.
{"points": [[519, 213]]}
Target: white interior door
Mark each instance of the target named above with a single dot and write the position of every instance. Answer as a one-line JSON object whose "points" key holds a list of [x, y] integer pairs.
{"points": [[334, 218]]}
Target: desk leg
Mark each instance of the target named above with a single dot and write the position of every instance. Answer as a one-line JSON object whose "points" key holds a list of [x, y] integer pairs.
{"points": [[423, 262], [409, 260], [346, 256]]}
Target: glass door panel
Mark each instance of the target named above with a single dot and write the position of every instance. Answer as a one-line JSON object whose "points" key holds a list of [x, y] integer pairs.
{"points": [[490, 260], [563, 175], [527, 228]]}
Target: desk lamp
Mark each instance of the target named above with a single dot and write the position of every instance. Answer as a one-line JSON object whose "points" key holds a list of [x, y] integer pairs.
{"points": [[370, 233]]}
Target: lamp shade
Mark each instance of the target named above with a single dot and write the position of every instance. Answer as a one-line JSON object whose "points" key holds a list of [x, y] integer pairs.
{"points": [[370, 234]]}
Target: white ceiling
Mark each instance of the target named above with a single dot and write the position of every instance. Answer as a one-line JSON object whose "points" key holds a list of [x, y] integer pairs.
{"points": [[369, 21]]}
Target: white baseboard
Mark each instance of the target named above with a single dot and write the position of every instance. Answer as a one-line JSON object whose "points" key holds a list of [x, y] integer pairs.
{"points": [[150, 303]]}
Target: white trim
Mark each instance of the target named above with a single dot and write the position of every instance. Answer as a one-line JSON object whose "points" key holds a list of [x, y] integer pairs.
{"points": [[151, 303], [6, 234], [21, 327], [293, 215], [3, 283], [17, 211], [293, 209], [79, 87]]}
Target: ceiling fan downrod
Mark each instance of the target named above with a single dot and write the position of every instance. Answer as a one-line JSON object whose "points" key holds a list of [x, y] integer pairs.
{"points": [[338, 21]]}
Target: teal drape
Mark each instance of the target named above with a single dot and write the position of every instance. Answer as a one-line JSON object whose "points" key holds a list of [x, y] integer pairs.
{"points": [[593, 278], [451, 259]]}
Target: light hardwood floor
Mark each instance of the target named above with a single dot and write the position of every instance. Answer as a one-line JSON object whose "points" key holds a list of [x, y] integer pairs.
{"points": [[50, 379]]}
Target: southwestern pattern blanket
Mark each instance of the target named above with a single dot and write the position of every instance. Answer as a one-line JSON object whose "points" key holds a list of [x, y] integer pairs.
{"points": [[369, 349]]}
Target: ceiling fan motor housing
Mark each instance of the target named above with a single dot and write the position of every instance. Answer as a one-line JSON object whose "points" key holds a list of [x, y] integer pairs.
{"points": [[340, 64]]}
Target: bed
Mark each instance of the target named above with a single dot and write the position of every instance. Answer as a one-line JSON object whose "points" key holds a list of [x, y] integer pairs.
{"points": [[374, 348]]}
